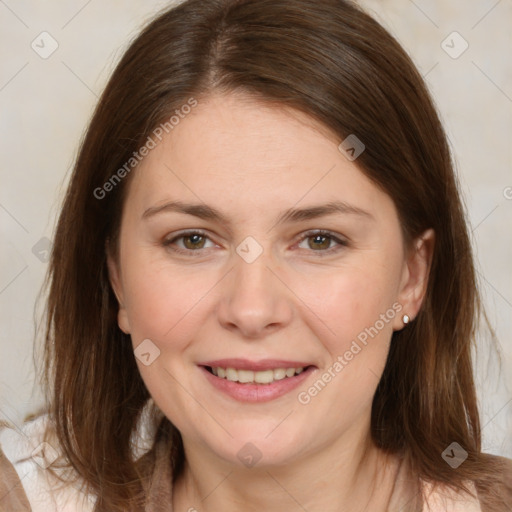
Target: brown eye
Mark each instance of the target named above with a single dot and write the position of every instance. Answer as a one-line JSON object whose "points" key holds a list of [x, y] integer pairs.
{"points": [[320, 242], [187, 242], [194, 241]]}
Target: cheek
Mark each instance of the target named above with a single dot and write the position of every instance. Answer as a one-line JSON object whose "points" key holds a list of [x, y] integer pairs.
{"points": [[160, 299], [166, 302], [350, 301], [358, 307]]}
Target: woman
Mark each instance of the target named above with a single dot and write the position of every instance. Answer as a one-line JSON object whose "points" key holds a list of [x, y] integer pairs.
{"points": [[261, 293]]}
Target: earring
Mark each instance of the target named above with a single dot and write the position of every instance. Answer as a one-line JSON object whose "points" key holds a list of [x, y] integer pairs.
{"points": [[406, 319]]}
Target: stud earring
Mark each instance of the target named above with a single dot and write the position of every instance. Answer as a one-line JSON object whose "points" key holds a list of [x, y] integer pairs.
{"points": [[406, 319]]}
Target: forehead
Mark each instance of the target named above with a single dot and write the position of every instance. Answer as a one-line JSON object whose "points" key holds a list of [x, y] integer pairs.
{"points": [[234, 151]]}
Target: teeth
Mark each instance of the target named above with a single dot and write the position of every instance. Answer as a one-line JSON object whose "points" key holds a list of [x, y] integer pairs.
{"points": [[264, 377], [231, 374], [249, 376], [245, 376], [279, 374]]}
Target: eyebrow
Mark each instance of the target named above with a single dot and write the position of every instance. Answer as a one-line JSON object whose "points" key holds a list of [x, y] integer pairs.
{"points": [[206, 212]]}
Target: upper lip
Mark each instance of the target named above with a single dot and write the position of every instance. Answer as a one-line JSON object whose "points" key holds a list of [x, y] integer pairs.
{"points": [[263, 364]]}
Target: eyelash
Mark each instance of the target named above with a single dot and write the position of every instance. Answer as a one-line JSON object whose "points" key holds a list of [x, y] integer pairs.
{"points": [[308, 234]]}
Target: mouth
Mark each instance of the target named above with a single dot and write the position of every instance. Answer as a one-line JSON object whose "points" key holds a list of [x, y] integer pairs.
{"points": [[262, 381], [255, 377]]}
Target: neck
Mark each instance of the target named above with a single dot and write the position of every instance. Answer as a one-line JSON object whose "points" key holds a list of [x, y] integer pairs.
{"points": [[347, 477]]}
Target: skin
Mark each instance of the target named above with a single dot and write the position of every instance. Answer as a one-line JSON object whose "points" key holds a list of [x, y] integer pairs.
{"points": [[252, 161]]}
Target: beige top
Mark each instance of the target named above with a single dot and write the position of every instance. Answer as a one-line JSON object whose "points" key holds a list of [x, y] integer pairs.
{"points": [[26, 486]]}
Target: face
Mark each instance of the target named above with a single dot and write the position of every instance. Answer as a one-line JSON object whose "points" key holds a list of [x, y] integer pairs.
{"points": [[258, 281]]}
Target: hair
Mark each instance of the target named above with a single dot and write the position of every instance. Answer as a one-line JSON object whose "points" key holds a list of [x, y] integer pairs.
{"points": [[335, 63]]}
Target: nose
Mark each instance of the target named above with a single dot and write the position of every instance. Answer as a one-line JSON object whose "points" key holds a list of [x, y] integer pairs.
{"points": [[255, 300]]}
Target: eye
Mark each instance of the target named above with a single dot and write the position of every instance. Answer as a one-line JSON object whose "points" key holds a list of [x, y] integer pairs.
{"points": [[192, 241], [320, 241]]}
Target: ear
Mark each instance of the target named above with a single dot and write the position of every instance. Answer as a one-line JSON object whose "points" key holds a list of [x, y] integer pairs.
{"points": [[413, 285], [114, 274]]}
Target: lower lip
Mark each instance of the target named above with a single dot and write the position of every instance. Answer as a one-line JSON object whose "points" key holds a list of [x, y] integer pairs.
{"points": [[257, 392]]}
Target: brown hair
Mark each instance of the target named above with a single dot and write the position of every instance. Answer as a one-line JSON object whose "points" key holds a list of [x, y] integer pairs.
{"points": [[330, 60]]}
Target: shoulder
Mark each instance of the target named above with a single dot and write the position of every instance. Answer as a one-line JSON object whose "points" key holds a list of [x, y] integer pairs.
{"points": [[488, 496], [438, 498], [28, 472], [500, 489]]}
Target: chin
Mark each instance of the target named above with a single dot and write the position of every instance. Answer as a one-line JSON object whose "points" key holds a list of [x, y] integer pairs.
{"points": [[250, 448]]}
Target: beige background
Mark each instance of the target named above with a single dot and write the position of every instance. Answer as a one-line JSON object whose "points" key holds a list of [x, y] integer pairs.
{"points": [[46, 103]]}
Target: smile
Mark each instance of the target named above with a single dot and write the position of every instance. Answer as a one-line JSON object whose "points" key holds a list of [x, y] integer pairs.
{"points": [[262, 381], [258, 377]]}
